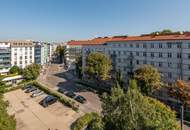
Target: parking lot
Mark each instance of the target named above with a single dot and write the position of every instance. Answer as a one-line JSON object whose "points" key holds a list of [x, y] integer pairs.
{"points": [[30, 115], [55, 77]]}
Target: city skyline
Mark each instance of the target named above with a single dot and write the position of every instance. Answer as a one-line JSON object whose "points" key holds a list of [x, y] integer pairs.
{"points": [[65, 20]]}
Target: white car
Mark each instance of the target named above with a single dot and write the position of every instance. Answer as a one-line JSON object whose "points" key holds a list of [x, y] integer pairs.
{"points": [[37, 93]]}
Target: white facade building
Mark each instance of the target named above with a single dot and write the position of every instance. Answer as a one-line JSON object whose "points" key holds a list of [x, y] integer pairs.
{"points": [[170, 54], [22, 53]]}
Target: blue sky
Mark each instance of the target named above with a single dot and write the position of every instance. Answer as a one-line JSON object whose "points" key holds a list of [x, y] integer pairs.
{"points": [[62, 20]]}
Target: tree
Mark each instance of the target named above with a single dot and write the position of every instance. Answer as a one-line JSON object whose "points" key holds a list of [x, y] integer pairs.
{"points": [[163, 32], [148, 79], [119, 79], [79, 66], [60, 52], [181, 91], [133, 111], [31, 72], [98, 66], [7, 122], [15, 70]]}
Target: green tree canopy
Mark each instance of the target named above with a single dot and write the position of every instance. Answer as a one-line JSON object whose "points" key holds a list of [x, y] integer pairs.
{"points": [[15, 70], [133, 111], [98, 66], [148, 79], [79, 66], [31, 72], [60, 52]]}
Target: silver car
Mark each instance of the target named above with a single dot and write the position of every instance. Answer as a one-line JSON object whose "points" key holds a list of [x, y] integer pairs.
{"points": [[37, 93]]}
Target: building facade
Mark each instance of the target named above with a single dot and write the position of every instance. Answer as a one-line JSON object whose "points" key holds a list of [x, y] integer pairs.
{"points": [[5, 57], [74, 49], [22, 53], [170, 54], [42, 53]]}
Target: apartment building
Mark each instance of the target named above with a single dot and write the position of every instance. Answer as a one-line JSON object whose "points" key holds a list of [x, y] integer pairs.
{"points": [[22, 53], [42, 53], [74, 49], [5, 57], [169, 53]]}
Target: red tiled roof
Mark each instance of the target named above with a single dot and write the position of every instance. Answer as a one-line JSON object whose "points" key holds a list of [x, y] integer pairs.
{"points": [[94, 41], [97, 41], [152, 38]]}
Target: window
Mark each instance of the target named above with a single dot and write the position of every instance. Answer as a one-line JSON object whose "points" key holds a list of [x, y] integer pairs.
{"points": [[137, 62], [152, 54], [131, 53], [125, 68], [137, 45], [20, 57], [178, 55], [189, 56], [169, 45], [160, 45], [144, 45], [189, 67], [169, 75], [169, 55], [160, 64], [144, 62], [119, 60], [152, 45], [25, 57], [30, 48], [188, 45], [178, 65], [169, 64], [137, 53], [179, 44], [144, 54], [20, 62], [125, 52], [160, 54], [119, 53], [15, 63], [131, 45]]}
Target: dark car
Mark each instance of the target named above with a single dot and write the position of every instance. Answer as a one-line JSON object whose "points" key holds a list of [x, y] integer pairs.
{"points": [[70, 94], [30, 89], [61, 90], [80, 99], [27, 87], [48, 101]]}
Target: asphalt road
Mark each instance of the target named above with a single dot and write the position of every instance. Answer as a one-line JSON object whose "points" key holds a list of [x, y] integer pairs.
{"points": [[54, 76]]}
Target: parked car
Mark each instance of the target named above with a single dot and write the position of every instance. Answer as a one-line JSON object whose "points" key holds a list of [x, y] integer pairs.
{"points": [[70, 94], [37, 93], [61, 90], [30, 89], [27, 87], [80, 99], [48, 101]]}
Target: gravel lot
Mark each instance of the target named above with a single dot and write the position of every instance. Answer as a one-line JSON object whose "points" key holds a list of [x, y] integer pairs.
{"points": [[32, 116]]}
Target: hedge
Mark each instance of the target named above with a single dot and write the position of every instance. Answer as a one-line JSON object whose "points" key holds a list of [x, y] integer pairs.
{"points": [[67, 102], [84, 121]]}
